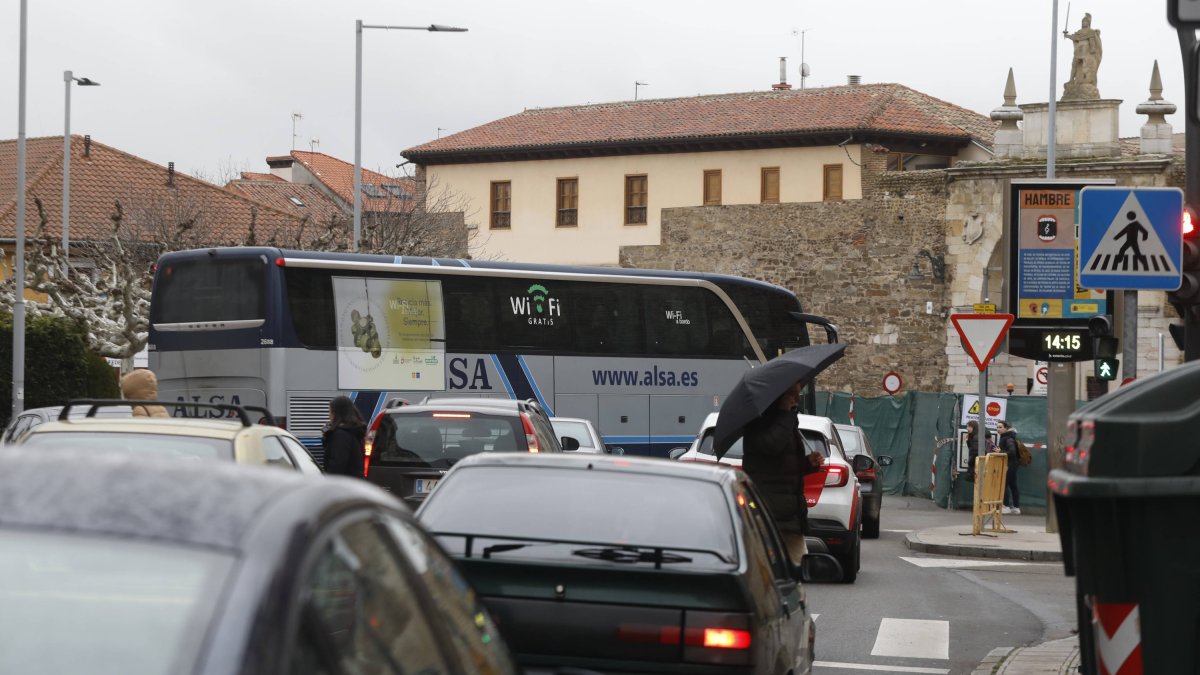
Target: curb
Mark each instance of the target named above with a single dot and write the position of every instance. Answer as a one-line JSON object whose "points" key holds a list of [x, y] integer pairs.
{"points": [[993, 660], [912, 543]]}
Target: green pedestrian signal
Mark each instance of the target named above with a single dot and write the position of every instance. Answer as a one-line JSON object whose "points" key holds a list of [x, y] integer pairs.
{"points": [[1106, 369]]}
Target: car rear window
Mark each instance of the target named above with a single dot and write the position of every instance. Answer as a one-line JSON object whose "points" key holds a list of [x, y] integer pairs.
{"points": [[851, 443], [815, 440], [706, 447], [578, 507], [439, 439], [576, 430], [158, 445], [71, 604]]}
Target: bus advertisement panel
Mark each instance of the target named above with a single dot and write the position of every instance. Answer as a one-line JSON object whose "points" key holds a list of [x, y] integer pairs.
{"points": [[390, 332]]}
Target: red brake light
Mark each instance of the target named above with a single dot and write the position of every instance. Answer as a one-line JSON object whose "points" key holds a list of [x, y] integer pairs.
{"points": [[369, 444], [456, 416], [280, 262], [836, 475], [741, 500], [530, 436], [726, 638], [1188, 226], [866, 474]]}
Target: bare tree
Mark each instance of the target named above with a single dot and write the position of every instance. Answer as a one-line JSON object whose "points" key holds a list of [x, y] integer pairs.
{"points": [[431, 222]]}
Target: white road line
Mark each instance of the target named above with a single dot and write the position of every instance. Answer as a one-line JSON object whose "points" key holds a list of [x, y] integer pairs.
{"points": [[897, 531], [913, 638], [814, 616], [873, 666], [961, 562]]}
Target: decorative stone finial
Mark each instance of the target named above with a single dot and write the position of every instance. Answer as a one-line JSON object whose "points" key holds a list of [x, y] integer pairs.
{"points": [[1007, 140], [1157, 134], [1010, 89]]}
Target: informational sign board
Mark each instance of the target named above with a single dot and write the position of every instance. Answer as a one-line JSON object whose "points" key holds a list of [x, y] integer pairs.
{"points": [[390, 334], [1131, 238], [996, 409], [1041, 379], [984, 308], [1043, 293]]}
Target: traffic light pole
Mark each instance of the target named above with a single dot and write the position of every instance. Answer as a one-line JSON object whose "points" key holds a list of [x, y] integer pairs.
{"points": [[1129, 339], [1187, 48]]}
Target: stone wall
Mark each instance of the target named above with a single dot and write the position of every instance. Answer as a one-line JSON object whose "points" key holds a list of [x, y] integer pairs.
{"points": [[848, 261]]}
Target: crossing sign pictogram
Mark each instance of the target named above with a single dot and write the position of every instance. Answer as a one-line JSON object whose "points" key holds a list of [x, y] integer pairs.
{"points": [[1130, 238]]}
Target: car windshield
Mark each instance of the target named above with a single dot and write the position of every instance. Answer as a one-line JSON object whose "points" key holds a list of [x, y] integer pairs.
{"points": [[158, 445], [439, 439], [686, 517], [577, 430], [71, 604]]}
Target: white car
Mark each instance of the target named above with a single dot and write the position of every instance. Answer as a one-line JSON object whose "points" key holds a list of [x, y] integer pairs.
{"points": [[832, 494], [581, 430]]}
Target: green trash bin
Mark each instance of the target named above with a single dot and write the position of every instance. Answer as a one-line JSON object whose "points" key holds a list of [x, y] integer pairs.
{"points": [[1128, 505]]}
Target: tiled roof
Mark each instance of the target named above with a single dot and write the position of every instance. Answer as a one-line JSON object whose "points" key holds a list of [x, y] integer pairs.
{"points": [[881, 109], [313, 204], [338, 176], [251, 175], [109, 175], [1132, 147]]}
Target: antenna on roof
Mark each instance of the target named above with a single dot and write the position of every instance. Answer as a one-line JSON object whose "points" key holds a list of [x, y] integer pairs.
{"points": [[295, 118], [313, 144], [439, 131], [637, 84], [804, 69]]}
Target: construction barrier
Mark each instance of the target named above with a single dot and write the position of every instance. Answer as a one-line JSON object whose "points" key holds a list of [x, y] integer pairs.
{"points": [[990, 471]]}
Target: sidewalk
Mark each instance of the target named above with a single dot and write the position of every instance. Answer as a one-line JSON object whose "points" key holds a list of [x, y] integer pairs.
{"points": [[1030, 541]]}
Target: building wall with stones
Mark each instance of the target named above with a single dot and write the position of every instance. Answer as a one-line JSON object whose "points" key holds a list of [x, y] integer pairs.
{"points": [[846, 260]]}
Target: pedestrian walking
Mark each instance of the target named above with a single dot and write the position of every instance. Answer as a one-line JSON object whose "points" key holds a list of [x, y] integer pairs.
{"points": [[973, 447], [142, 385], [774, 456], [1008, 445], [343, 439]]}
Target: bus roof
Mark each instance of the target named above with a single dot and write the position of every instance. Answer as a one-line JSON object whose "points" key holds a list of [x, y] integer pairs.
{"points": [[275, 253]]}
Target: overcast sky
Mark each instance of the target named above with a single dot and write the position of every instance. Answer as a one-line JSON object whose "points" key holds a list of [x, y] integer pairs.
{"points": [[212, 85]]}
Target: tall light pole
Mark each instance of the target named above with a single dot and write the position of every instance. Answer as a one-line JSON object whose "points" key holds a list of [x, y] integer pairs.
{"points": [[358, 32], [18, 356], [68, 78]]}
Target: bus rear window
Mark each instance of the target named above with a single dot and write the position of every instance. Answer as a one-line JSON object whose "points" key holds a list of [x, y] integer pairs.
{"points": [[208, 289]]}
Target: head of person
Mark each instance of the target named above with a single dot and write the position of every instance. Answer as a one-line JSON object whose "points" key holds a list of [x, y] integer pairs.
{"points": [[1003, 426], [972, 427], [343, 413], [789, 401]]}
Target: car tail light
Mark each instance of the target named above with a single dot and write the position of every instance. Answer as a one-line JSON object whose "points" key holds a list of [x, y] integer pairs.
{"points": [[453, 416], [369, 444], [717, 638], [530, 436], [836, 475], [280, 262], [866, 474], [1083, 446]]}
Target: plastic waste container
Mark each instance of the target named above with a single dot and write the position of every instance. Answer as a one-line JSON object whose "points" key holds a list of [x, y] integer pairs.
{"points": [[1128, 505]]}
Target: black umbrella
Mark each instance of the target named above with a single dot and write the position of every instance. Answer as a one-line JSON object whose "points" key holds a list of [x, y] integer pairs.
{"points": [[761, 386]]}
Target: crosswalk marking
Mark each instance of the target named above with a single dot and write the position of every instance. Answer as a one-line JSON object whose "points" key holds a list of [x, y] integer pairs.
{"points": [[897, 531], [875, 666], [913, 638], [959, 562]]}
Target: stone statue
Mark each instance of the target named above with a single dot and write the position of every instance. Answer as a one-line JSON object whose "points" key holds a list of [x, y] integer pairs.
{"points": [[1082, 85]]}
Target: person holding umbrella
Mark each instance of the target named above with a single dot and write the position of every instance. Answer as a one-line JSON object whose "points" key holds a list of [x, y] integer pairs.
{"points": [[761, 408]]}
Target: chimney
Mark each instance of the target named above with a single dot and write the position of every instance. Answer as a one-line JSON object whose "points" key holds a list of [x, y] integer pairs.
{"points": [[782, 85], [87, 145], [281, 166], [170, 174], [854, 80]]}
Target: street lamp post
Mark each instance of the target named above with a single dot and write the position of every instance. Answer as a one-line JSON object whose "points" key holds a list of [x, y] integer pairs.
{"points": [[358, 31], [68, 78], [18, 330]]}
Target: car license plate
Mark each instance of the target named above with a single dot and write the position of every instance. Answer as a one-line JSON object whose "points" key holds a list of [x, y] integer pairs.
{"points": [[425, 485]]}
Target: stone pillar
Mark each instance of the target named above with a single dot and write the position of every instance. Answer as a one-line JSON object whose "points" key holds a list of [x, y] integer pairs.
{"points": [[1084, 129], [1156, 132], [1008, 140]]}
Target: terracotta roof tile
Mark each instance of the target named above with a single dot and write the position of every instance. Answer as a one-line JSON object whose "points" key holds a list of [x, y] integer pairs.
{"points": [[313, 204], [875, 107], [109, 175], [338, 176], [251, 175]]}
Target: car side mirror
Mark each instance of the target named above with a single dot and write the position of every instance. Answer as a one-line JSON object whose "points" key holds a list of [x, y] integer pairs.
{"points": [[569, 443], [676, 453], [860, 463], [884, 460], [818, 567]]}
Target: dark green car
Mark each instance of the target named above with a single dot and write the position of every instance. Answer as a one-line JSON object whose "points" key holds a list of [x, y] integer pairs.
{"points": [[627, 565]]}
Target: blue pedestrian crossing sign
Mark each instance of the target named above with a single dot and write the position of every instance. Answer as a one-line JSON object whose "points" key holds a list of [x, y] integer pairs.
{"points": [[1130, 238]]}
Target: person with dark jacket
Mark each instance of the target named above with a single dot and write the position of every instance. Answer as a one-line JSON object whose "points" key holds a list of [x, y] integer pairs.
{"points": [[973, 447], [343, 439], [773, 455], [1008, 445]]}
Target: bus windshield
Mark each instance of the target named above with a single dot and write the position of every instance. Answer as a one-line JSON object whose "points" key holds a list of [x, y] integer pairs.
{"points": [[199, 290]]}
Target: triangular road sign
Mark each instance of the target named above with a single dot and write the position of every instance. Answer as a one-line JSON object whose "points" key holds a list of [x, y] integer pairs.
{"points": [[981, 334], [1131, 246]]}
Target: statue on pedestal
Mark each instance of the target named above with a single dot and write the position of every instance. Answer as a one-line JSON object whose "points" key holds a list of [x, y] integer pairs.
{"points": [[1082, 85]]}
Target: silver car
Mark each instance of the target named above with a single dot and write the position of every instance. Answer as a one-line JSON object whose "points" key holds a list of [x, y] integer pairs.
{"points": [[581, 430]]}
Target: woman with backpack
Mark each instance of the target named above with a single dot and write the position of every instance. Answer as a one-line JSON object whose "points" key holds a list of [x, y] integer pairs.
{"points": [[1008, 445]]}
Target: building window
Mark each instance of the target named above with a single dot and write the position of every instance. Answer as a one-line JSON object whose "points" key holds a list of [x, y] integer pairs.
{"points": [[770, 185], [712, 187], [296, 201], [568, 202], [372, 190], [833, 182], [501, 205], [635, 200]]}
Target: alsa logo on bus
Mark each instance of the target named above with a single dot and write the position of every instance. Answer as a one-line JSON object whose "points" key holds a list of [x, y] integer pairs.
{"points": [[538, 307], [464, 375], [184, 410]]}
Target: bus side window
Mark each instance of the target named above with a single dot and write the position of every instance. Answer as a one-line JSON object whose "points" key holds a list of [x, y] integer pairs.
{"points": [[726, 336], [470, 315]]}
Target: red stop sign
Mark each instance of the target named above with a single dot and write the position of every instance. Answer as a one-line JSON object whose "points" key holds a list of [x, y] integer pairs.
{"points": [[993, 409]]}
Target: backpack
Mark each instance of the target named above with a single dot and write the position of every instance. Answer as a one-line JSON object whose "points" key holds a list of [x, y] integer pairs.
{"points": [[1024, 457]]}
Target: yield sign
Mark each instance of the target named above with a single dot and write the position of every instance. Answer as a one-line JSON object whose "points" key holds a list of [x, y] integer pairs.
{"points": [[981, 334]]}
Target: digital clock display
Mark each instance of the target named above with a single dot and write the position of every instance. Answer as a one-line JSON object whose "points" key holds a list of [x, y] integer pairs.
{"points": [[1058, 341]]}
